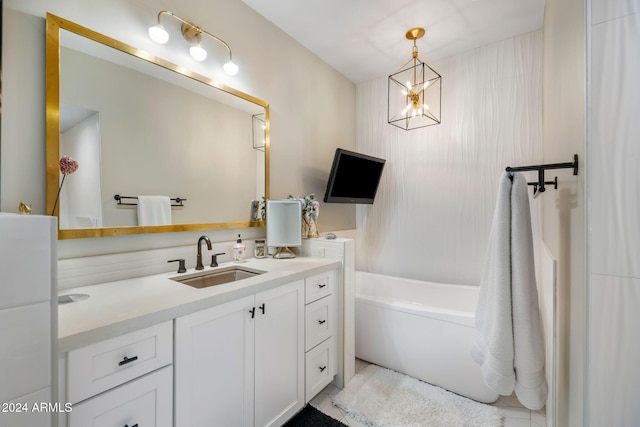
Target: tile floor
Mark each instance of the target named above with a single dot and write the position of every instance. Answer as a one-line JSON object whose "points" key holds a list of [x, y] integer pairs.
{"points": [[515, 414]]}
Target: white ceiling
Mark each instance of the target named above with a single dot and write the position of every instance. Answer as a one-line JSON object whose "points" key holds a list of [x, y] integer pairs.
{"points": [[365, 39]]}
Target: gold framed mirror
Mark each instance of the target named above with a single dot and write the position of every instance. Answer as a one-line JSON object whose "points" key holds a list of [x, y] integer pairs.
{"points": [[139, 125]]}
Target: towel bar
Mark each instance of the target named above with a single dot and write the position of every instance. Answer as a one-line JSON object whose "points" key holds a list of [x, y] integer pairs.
{"points": [[178, 200], [538, 187]]}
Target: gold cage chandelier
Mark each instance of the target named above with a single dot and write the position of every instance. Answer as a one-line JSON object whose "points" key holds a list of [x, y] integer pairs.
{"points": [[414, 98]]}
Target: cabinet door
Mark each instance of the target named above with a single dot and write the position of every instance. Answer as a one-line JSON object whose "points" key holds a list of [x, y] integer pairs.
{"points": [[143, 402], [214, 366], [279, 354]]}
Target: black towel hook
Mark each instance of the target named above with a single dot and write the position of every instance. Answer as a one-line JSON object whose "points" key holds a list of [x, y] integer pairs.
{"points": [[539, 186]]}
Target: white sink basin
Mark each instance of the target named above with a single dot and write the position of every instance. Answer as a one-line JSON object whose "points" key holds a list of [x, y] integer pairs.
{"points": [[217, 277]]}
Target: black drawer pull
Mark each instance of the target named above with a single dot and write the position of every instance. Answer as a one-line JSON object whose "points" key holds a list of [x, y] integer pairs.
{"points": [[128, 360], [321, 321], [262, 308], [322, 285], [253, 312], [322, 368], [135, 425]]}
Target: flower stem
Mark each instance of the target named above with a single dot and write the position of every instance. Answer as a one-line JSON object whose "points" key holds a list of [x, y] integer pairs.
{"points": [[53, 211]]}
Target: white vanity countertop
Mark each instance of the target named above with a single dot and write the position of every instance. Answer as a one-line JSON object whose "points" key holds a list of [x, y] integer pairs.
{"points": [[123, 306]]}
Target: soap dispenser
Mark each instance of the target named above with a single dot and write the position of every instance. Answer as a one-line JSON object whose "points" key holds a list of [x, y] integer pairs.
{"points": [[239, 253]]}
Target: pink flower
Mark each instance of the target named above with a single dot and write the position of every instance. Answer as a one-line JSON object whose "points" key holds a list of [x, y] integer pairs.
{"points": [[68, 165]]}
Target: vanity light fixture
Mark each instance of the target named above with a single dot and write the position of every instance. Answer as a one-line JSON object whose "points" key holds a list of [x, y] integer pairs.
{"points": [[414, 91], [193, 35]]}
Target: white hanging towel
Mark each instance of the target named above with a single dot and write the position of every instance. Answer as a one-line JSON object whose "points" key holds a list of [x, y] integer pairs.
{"points": [[508, 343], [531, 384], [493, 345], [154, 210]]}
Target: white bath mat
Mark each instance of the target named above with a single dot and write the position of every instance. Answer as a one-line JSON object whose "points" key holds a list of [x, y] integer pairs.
{"points": [[380, 397]]}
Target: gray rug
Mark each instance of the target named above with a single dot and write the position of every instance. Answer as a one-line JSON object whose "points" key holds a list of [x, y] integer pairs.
{"points": [[379, 397]]}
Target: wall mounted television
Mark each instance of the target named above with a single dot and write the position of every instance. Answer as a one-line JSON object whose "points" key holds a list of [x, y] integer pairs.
{"points": [[354, 178]]}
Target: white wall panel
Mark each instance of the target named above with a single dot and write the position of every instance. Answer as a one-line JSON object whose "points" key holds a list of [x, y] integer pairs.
{"points": [[605, 10], [613, 375], [615, 142], [614, 350], [432, 216], [26, 350], [25, 261], [32, 417]]}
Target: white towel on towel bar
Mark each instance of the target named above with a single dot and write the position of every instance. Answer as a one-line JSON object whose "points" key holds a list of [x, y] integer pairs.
{"points": [[154, 210], [531, 384], [508, 343], [493, 344]]}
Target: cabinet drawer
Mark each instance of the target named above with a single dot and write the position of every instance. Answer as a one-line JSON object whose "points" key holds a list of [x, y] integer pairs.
{"points": [[104, 365], [319, 320], [318, 286], [320, 367], [145, 402]]}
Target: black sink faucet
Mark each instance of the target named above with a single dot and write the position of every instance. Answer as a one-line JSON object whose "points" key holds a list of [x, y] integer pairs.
{"points": [[199, 265]]}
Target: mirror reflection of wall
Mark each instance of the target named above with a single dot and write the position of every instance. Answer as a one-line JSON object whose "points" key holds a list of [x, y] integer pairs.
{"points": [[160, 139], [80, 197]]}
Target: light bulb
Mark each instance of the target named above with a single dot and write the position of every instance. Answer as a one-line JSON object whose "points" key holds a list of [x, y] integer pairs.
{"points": [[404, 92], [198, 53], [425, 85], [409, 85], [426, 107], [158, 34], [230, 68]]}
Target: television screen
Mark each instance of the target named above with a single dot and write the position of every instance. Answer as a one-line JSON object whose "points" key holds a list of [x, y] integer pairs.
{"points": [[354, 178]]}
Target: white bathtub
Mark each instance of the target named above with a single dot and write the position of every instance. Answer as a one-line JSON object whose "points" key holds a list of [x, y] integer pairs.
{"points": [[422, 329]]}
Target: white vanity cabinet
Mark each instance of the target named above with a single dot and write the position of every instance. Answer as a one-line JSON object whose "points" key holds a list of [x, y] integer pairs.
{"points": [[123, 381], [248, 354], [242, 363], [320, 332]]}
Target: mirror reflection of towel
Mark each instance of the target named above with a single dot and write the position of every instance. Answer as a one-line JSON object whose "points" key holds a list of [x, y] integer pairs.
{"points": [[154, 210]]}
